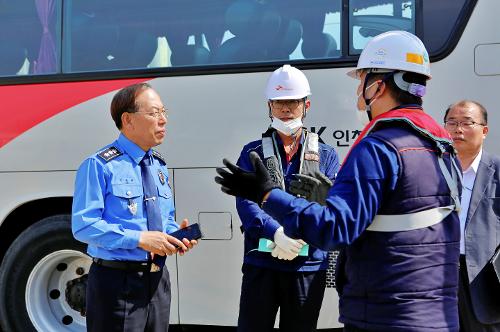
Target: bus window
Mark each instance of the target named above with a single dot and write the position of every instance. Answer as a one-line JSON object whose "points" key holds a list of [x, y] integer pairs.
{"points": [[108, 35], [129, 34], [125, 34], [248, 31], [28, 37], [368, 18], [440, 18], [193, 29], [321, 28], [280, 30]]}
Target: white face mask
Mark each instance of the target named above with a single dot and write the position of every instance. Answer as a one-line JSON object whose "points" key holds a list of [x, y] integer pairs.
{"points": [[363, 115], [288, 128], [369, 86]]}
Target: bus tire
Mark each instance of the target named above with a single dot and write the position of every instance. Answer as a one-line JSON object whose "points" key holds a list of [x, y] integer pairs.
{"points": [[43, 268]]}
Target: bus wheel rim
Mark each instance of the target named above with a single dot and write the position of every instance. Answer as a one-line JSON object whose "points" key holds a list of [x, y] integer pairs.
{"points": [[46, 287]]}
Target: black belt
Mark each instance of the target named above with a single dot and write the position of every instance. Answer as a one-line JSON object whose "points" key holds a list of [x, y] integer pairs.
{"points": [[132, 266]]}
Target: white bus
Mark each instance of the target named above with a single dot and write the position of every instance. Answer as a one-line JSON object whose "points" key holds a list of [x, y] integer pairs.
{"points": [[61, 61]]}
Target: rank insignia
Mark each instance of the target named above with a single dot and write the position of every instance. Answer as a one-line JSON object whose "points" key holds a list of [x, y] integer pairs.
{"points": [[158, 156], [132, 207], [161, 177], [109, 153]]}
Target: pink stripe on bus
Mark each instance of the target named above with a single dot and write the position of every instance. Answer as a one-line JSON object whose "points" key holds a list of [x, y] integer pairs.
{"points": [[25, 106]]}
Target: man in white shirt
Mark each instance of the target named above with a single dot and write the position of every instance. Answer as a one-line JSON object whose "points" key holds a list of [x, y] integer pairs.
{"points": [[478, 300]]}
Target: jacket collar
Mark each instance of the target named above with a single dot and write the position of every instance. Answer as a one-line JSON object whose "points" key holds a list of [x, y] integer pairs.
{"points": [[132, 149], [484, 176]]}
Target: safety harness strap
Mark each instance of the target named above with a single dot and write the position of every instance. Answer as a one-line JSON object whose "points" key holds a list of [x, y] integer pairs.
{"points": [[272, 161], [451, 181], [309, 156], [422, 219]]}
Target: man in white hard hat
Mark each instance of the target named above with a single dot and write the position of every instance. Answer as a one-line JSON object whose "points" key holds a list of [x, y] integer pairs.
{"points": [[393, 205], [279, 271]]}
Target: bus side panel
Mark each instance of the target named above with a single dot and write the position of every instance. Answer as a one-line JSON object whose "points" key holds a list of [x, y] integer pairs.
{"points": [[20, 188], [455, 77], [210, 274]]}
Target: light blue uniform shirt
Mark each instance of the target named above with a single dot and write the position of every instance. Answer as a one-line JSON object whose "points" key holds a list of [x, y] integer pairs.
{"points": [[108, 204]]}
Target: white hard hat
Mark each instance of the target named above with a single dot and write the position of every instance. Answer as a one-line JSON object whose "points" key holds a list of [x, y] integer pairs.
{"points": [[287, 82], [394, 50]]}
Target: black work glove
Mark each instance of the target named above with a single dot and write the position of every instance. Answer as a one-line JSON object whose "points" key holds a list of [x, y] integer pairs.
{"points": [[313, 188], [249, 185]]}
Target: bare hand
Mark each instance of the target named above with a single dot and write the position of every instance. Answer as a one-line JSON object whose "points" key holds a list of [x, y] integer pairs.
{"points": [[158, 243]]}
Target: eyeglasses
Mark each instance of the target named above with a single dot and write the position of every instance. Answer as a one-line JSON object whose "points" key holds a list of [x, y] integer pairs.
{"points": [[291, 104], [157, 113], [469, 124]]}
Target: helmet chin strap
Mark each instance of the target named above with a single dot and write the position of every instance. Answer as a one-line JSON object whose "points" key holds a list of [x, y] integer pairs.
{"points": [[304, 109], [368, 101], [368, 109]]}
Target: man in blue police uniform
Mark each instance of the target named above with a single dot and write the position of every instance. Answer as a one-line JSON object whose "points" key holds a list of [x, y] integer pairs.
{"points": [[123, 209], [274, 275], [478, 292], [393, 205]]}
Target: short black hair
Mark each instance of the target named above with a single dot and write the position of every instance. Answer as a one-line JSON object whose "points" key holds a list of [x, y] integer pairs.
{"points": [[465, 103], [124, 101]]}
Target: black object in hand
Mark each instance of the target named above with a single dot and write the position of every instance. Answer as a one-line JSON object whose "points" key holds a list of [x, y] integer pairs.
{"points": [[244, 184], [190, 232]]}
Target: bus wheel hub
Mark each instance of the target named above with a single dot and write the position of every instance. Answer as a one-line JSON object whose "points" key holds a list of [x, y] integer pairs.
{"points": [[75, 293]]}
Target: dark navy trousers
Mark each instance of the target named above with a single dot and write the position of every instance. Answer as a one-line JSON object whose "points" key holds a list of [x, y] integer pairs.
{"points": [[468, 320], [298, 295], [120, 300]]}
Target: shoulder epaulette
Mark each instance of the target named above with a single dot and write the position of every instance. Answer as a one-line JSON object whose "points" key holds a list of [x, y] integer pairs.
{"points": [[109, 153], [158, 156]]}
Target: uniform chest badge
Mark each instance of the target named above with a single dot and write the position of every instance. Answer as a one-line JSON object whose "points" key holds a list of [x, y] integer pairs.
{"points": [[161, 176], [132, 207]]}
